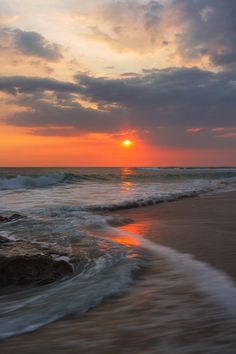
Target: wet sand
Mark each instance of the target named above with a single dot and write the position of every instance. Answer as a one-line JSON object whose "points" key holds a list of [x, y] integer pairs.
{"points": [[204, 227]]}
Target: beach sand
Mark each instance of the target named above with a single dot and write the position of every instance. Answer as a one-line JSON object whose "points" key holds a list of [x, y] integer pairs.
{"points": [[205, 227]]}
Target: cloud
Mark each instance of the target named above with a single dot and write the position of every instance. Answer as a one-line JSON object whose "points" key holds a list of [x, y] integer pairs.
{"points": [[52, 106], [34, 44], [22, 84], [72, 117], [202, 32], [224, 132], [209, 29], [173, 98], [218, 129], [127, 25], [194, 130], [227, 135], [29, 43]]}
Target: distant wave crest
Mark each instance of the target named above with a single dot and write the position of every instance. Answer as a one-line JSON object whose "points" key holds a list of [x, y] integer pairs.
{"points": [[49, 180]]}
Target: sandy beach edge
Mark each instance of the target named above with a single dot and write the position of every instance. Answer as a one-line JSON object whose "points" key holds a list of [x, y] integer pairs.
{"points": [[204, 227]]}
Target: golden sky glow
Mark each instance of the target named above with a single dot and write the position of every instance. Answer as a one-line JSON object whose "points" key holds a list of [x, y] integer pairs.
{"points": [[81, 81]]}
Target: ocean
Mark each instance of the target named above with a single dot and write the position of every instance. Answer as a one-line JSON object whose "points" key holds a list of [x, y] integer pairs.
{"points": [[73, 208]]}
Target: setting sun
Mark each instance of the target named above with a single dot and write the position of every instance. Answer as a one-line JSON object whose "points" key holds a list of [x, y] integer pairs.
{"points": [[127, 143]]}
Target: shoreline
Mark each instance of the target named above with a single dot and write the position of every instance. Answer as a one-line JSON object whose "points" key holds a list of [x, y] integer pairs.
{"points": [[203, 226]]}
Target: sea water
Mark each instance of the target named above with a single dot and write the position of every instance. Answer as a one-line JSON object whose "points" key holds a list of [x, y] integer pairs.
{"points": [[64, 207]]}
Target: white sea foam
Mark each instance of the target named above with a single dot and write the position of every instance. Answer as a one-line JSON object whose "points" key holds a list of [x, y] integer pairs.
{"points": [[66, 199], [19, 182], [215, 284]]}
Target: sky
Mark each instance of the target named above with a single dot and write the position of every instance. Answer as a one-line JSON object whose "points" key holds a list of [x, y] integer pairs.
{"points": [[79, 77]]}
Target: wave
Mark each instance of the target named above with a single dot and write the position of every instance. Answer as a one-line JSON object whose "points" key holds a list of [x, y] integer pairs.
{"points": [[219, 288], [215, 284], [49, 180], [148, 168], [213, 169], [142, 197], [139, 175], [140, 202], [182, 173], [161, 197]]}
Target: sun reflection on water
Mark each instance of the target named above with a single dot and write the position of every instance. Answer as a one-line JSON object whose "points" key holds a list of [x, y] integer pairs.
{"points": [[126, 172], [127, 236], [126, 184]]}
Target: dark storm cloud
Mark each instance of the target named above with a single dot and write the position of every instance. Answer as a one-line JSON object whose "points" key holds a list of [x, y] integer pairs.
{"points": [[24, 84], [175, 98], [31, 44], [210, 28], [63, 113]]}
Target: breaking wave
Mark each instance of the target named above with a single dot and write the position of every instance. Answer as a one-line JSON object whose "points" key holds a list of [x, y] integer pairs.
{"points": [[219, 288], [161, 197], [53, 179]]}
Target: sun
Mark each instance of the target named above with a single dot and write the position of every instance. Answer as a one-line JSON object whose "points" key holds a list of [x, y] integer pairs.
{"points": [[127, 143]]}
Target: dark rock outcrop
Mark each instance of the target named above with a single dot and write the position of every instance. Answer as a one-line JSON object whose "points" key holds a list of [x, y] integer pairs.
{"points": [[37, 269], [24, 263], [10, 218], [3, 240]]}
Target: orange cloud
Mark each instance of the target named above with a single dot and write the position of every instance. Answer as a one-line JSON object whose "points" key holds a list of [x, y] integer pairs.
{"points": [[227, 135], [225, 132], [194, 130]]}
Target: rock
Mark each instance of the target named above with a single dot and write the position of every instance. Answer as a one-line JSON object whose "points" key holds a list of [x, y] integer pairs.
{"points": [[25, 263], [10, 218], [15, 217], [3, 218], [3, 240], [27, 269]]}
